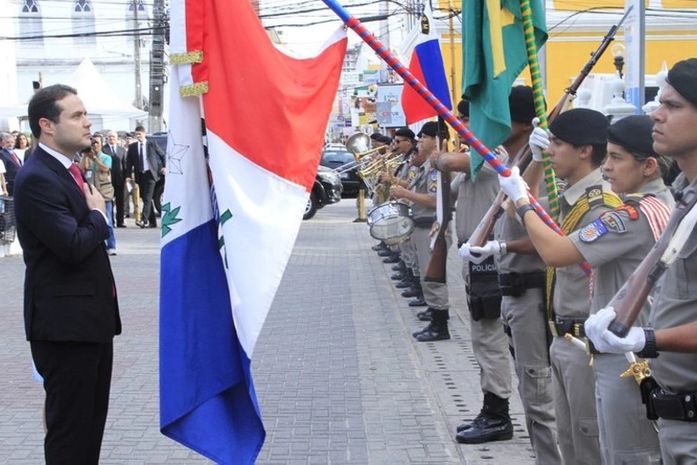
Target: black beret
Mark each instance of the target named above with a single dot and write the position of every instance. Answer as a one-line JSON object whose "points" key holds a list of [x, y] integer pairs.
{"points": [[430, 128], [522, 104], [405, 132], [581, 126], [463, 108], [634, 134], [384, 139], [683, 77]]}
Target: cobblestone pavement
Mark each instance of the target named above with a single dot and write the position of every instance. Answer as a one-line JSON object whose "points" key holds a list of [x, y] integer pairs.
{"points": [[338, 375]]}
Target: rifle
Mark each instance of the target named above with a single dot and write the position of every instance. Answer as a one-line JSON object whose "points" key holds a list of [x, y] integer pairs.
{"points": [[436, 270], [630, 299], [482, 232]]}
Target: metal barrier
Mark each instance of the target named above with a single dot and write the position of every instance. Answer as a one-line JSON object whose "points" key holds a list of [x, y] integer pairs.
{"points": [[8, 228]]}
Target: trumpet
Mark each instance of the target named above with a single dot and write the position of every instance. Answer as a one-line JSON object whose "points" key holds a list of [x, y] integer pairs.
{"points": [[359, 145]]}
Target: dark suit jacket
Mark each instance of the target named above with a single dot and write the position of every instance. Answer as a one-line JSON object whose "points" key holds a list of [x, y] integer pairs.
{"points": [[118, 164], [11, 168], [69, 291], [156, 159]]}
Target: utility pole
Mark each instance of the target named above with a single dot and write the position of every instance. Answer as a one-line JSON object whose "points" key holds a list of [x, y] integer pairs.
{"points": [[157, 66], [136, 56]]}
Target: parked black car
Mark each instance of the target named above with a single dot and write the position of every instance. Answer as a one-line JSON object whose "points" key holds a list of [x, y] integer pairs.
{"points": [[326, 190], [334, 158]]}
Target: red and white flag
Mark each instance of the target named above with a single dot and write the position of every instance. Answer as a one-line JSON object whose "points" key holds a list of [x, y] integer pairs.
{"points": [[232, 213]]}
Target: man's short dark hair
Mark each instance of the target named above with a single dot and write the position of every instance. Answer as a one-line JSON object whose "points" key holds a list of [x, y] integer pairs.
{"points": [[139, 129], [44, 104]]}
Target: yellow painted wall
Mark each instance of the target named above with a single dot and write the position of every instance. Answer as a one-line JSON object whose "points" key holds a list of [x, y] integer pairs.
{"points": [[566, 59]]}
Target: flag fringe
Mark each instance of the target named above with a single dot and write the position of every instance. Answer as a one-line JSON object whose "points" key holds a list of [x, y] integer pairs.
{"points": [[195, 56], [193, 90]]}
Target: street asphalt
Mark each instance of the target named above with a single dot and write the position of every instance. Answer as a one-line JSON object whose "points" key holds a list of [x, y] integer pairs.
{"points": [[339, 377]]}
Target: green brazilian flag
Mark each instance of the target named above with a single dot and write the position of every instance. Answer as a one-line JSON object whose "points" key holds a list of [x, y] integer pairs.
{"points": [[494, 54]]}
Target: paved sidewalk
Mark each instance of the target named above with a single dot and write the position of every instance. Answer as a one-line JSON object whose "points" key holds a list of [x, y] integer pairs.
{"points": [[338, 375]]}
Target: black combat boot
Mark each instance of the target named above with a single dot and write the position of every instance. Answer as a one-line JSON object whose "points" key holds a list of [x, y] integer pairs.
{"points": [[401, 271], [379, 246], [394, 258], [408, 280], [414, 290], [386, 252], [437, 330], [492, 424], [418, 302], [425, 315]]}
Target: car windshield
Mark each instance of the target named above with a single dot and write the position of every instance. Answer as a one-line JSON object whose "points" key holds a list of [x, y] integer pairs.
{"points": [[334, 158]]}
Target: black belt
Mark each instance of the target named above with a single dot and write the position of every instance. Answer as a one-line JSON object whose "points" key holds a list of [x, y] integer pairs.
{"points": [[573, 326], [669, 406], [515, 284]]}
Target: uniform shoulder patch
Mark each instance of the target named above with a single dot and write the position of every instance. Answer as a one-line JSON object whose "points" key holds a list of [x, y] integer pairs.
{"points": [[615, 221], [593, 231], [630, 210]]}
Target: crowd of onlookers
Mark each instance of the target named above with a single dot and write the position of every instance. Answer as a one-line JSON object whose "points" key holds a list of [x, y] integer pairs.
{"points": [[104, 165]]}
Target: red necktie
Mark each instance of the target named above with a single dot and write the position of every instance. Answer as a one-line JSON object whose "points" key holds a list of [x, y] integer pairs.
{"points": [[77, 175], [15, 158]]}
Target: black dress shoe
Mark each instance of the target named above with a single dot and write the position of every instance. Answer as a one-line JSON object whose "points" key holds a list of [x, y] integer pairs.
{"points": [[392, 259], [433, 332], [485, 428], [411, 292], [120, 225], [152, 225], [424, 316], [418, 302]]}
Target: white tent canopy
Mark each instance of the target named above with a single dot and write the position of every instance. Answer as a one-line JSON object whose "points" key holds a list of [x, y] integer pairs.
{"points": [[96, 93]]}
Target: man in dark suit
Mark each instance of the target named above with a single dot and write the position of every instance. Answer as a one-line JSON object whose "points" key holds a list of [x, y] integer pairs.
{"points": [[146, 161], [118, 173], [10, 159], [71, 312]]}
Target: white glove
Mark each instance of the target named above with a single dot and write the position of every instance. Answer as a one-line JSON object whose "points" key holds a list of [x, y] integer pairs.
{"points": [[513, 185], [606, 341], [538, 140], [477, 255]]}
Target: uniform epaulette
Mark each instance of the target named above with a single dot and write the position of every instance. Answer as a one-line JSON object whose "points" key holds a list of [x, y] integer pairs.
{"points": [[596, 196]]}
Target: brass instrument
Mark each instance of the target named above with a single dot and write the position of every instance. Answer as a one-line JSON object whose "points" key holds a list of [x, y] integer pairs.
{"points": [[359, 145]]}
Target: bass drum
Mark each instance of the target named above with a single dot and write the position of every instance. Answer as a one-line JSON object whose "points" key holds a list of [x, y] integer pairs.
{"points": [[391, 222]]}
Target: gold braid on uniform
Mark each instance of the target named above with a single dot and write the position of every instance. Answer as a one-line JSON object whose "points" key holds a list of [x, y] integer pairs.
{"points": [[580, 208]]}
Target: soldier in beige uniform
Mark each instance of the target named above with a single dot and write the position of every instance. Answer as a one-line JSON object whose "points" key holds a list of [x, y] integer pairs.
{"points": [[423, 198], [403, 143], [614, 244], [672, 327], [489, 342], [578, 147], [522, 282]]}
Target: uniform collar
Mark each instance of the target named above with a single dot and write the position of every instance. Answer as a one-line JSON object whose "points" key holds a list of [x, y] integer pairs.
{"points": [[653, 187], [573, 193]]}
